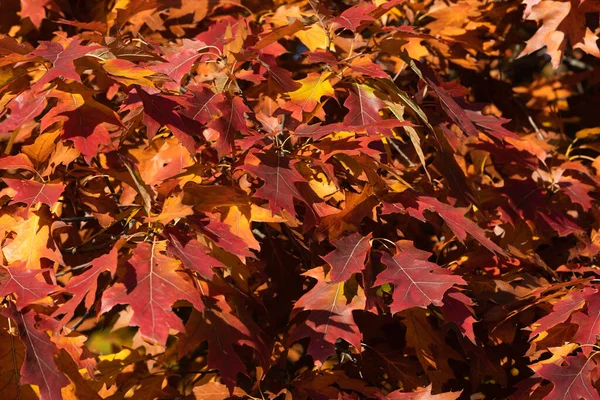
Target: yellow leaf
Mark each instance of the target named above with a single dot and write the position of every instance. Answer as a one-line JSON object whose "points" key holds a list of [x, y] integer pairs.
{"points": [[586, 133], [172, 208], [322, 186], [128, 73], [43, 146], [32, 243], [305, 99], [239, 225], [315, 38]]}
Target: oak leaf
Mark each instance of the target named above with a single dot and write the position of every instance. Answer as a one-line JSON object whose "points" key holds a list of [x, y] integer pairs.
{"points": [[417, 282], [28, 286], [32, 192], [62, 58], [349, 256], [331, 306], [39, 367], [151, 286], [574, 379]]}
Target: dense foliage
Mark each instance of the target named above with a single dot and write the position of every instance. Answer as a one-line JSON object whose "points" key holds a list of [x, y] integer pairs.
{"points": [[299, 199]]}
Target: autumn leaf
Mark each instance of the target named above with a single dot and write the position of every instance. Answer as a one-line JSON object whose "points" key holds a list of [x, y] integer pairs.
{"points": [[562, 22], [571, 379], [155, 281], [24, 108], [349, 256], [363, 106], [279, 179], [178, 64], [421, 394], [194, 256], [222, 329], [39, 367], [32, 242], [62, 58], [455, 219], [83, 287], [32, 192], [305, 99], [417, 282], [331, 316], [299, 199], [34, 10], [28, 285], [172, 208]]}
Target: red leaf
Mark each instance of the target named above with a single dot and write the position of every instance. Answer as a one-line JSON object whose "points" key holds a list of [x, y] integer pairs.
{"points": [[330, 319], [34, 10], [84, 286], [349, 258], [23, 108], [25, 283], [32, 192], [205, 105], [353, 17], [456, 113], [421, 394], [492, 125], [160, 111], [454, 217], [417, 282], [19, 161], [572, 380], [83, 119], [458, 308], [178, 64], [62, 60], [152, 286], [232, 121], [220, 233], [363, 106], [194, 257], [39, 367], [577, 191], [222, 329], [561, 311], [588, 322], [280, 177]]}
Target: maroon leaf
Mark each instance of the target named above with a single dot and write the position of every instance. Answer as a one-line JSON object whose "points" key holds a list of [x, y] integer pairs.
{"points": [[222, 329], [349, 257], [417, 282], [161, 111], [232, 121], [39, 367], [279, 177], [572, 380], [455, 219], [330, 319]]}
